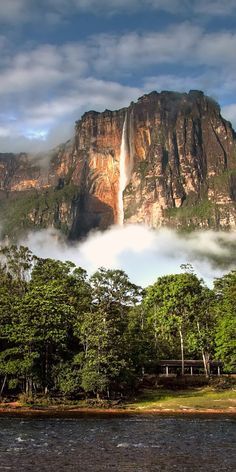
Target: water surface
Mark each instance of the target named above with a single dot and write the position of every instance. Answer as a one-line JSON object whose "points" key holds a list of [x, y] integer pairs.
{"points": [[133, 443]]}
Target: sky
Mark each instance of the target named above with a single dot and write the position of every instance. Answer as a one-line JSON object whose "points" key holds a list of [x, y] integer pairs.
{"points": [[60, 58]]}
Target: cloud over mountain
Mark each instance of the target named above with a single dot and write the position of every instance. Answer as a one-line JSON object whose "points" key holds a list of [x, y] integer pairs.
{"points": [[48, 80]]}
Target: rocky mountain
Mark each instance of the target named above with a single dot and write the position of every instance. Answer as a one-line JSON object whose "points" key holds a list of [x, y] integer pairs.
{"points": [[168, 159]]}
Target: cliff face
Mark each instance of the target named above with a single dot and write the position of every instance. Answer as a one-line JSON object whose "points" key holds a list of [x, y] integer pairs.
{"points": [[174, 153], [185, 163]]}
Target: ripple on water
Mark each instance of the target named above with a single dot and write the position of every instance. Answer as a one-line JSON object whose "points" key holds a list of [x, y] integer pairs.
{"points": [[143, 443]]}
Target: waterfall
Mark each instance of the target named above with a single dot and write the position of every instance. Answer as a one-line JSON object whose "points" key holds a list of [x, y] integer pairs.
{"points": [[131, 143], [126, 162], [124, 177]]}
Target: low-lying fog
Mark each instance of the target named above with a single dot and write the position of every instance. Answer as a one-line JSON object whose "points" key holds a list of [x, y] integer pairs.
{"points": [[142, 252]]}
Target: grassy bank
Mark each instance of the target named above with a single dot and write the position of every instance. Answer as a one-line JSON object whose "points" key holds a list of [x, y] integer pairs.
{"points": [[194, 399], [203, 400]]}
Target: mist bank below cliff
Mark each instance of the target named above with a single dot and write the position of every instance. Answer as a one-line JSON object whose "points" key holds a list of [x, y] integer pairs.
{"points": [[142, 252]]}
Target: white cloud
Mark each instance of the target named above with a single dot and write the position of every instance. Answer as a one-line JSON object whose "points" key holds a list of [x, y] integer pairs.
{"points": [[5, 132], [118, 5], [177, 7], [12, 10], [174, 83], [215, 48], [184, 43], [34, 140], [90, 92], [143, 253], [215, 7], [54, 119], [55, 11], [113, 56], [48, 84], [218, 85], [42, 67], [229, 112], [132, 51]]}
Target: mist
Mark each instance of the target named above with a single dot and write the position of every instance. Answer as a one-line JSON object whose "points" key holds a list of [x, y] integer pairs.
{"points": [[143, 253]]}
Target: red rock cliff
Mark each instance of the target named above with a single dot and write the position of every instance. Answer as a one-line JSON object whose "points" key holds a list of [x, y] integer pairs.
{"points": [[181, 152]]}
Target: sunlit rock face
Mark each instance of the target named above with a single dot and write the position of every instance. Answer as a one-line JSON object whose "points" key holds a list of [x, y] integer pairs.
{"points": [[185, 163], [172, 154]]}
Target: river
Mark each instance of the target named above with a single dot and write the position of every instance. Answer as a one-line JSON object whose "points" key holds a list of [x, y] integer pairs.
{"points": [[137, 443]]}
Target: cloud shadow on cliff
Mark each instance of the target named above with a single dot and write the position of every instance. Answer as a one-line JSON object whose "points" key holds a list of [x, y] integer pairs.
{"points": [[89, 213]]}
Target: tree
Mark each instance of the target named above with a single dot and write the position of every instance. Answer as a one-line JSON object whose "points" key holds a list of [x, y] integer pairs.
{"points": [[113, 287], [8, 296], [38, 323], [73, 279], [17, 261], [202, 336], [102, 363], [113, 293], [68, 376], [172, 303], [41, 328], [103, 330], [225, 337], [139, 340], [44, 319]]}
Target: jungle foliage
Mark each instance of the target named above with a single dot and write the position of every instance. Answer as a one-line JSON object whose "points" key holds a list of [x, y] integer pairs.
{"points": [[65, 334]]}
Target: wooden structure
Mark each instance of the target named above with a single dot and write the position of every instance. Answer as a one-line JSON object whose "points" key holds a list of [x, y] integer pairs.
{"points": [[191, 367]]}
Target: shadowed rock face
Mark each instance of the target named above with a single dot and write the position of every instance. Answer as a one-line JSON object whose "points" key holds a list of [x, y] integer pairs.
{"points": [[183, 171]]}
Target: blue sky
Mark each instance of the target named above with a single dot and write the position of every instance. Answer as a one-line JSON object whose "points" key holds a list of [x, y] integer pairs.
{"points": [[60, 58]]}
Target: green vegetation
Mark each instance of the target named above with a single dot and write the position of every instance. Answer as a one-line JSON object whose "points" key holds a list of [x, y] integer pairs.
{"points": [[131, 209], [180, 305], [142, 168], [202, 210], [202, 399], [222, 181], [65, 336], [195, 210], [32, 209]]}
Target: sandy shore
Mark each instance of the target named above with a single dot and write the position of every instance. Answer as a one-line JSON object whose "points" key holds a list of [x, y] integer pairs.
{"points": [[15, 409]]}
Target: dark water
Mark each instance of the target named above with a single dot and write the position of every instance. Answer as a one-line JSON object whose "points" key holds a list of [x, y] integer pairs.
{"points": [[134, 443]]}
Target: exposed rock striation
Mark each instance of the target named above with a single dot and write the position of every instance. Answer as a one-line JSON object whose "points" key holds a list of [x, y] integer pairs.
{"points": [[180, 164]]}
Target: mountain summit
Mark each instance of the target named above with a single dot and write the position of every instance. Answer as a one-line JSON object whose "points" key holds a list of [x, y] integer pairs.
{"points": [[168, 159]]}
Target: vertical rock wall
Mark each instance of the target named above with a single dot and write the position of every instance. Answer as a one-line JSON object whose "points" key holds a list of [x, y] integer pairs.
{"points": [[180, 163]]}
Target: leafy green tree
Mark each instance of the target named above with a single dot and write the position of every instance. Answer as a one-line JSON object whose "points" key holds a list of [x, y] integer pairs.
{"points": [[114, 294], [61, 333], [101, 360], [139, 341], [225, 337], [39, 321], [41, 328], [113, 288], [201, 338], [17, 261], [172, 303], [68, 376], [8, 296], [73, 279], [104, 328]]}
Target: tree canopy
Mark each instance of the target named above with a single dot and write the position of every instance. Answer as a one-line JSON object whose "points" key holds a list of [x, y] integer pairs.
{"points": [[63, 333]]}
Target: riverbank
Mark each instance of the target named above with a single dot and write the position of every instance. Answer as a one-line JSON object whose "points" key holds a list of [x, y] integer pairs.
{"points": [[196, 401]]}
